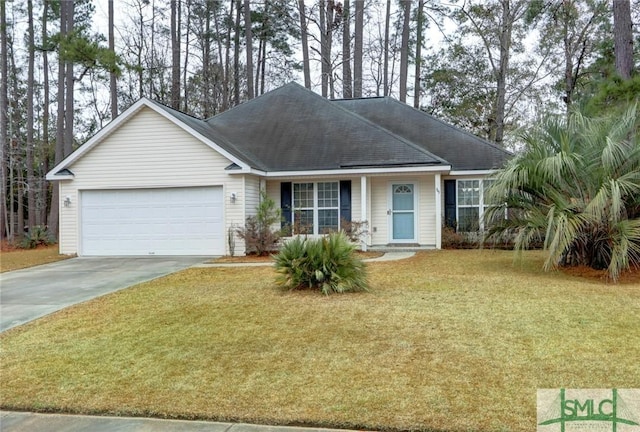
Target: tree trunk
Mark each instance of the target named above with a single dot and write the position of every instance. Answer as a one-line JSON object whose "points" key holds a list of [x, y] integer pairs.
{"points": [[260, 64], [45, 114], [175, 55], [262, 51], [501, 79], [59, 152], [263, 67], [357, 48], [226, 97], [4, 129], [206, 63], [113, 91], [305, 45], [224, 61], [568, 59], [416, 90], [31, 181], [623, 38], [249, 42], [185, 99], [387, 23], [346, 53], [140, 69], [324, 58], [404, 50], [329, 46], [236, 56], [69, 84]]}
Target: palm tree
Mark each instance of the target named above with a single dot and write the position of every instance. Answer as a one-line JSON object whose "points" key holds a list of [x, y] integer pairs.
{"points": [[576, 187]]}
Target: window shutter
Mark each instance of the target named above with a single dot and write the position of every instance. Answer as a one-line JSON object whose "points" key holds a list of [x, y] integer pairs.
{"points": [[450, 203], [286, 200], [345, 200]]}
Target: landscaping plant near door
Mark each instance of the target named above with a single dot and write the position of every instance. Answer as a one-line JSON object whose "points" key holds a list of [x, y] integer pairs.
{"points": [[258, 233], [328, 263]]}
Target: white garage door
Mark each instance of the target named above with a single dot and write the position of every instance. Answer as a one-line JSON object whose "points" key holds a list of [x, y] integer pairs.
{"points": [[175, 221]]}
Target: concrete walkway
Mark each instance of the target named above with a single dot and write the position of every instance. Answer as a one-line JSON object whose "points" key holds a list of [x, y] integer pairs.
{"points": [[11, 421], [388, 256]]}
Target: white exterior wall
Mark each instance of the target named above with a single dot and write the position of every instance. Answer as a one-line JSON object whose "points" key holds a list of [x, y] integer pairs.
{"points": [[379, 219], [250, 198], [148, 151], [378, 203], [252, 194]]}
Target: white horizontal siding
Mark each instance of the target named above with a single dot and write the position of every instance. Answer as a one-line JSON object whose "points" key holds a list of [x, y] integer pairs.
{"points": [[427, 204], [379, 226], [148, 151], [250, 199]]}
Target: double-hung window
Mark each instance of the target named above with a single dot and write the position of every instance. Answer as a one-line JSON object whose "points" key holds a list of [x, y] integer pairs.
{"points": [[472, 204], [303, 204], [468, 205], [316, 207]]}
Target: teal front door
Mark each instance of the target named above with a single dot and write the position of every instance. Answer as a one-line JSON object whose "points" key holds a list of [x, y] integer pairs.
{"points": [[402, 212]]}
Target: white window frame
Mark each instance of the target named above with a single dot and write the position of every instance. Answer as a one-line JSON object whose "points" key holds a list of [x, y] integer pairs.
{"points": [[316, 208], [416, 210], [481, 206]]}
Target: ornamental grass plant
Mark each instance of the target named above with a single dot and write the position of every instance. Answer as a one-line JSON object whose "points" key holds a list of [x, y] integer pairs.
{"points": [[328, 264]]}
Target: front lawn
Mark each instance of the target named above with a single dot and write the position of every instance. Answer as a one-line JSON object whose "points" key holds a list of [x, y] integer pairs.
{"points": [[447, 340], [15, 259]]}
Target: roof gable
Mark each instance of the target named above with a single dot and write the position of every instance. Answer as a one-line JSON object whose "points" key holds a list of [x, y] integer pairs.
{"points": [[463, 150], [191, 125]]}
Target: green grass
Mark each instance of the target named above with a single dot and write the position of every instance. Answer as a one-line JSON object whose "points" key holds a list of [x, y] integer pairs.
{"points": [[447, 340], [23, 258]]}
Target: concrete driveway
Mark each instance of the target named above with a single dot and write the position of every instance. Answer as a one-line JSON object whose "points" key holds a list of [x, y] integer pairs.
{"points": [[37, 291]]}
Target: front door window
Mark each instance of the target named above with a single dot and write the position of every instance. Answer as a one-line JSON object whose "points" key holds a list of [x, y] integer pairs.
{"points": [[402, 212]]}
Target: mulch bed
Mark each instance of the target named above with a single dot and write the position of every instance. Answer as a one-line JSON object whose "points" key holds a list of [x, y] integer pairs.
{"points": [[269, 258], [631, 276]]}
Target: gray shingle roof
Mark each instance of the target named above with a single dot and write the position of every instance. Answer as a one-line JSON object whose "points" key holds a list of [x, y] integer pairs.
{"points": [[294, 129], [463, 150]]}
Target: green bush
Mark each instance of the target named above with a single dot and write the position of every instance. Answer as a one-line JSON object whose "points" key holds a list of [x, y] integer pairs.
{"points": [[328, 264], [37, 235]]}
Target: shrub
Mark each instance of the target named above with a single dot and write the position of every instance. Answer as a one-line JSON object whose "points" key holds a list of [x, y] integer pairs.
{"points": [[328, 264], [36, 236], [451, 239], [258, 233], [354, 229], [576, 187]]}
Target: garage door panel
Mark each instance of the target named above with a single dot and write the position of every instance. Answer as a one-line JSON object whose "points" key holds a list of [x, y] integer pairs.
{"points": [[174, 221]]}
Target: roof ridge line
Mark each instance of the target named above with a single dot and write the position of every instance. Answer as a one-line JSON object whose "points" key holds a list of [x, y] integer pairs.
{"points": [[170, 108], [249, 101], [450, 126], [387, 131]]}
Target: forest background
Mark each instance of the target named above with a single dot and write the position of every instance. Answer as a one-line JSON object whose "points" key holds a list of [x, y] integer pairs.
{"points": [[492, 67]]}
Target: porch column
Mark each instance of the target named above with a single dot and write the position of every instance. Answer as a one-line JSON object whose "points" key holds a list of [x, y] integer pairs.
{"points": [[438, 212], [363, 209]]}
